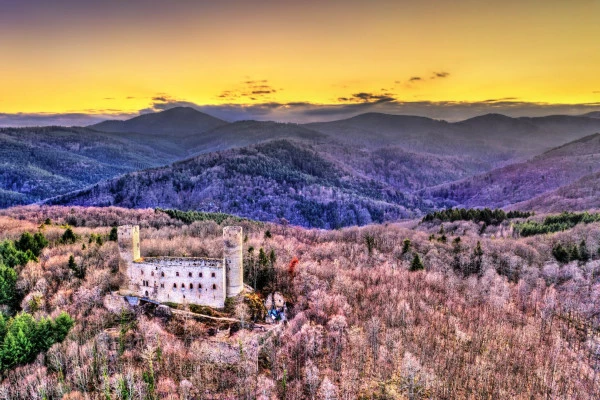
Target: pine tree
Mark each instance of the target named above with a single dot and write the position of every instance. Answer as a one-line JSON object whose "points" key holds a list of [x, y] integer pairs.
{"points": [[370, 242], [8, 281], [72, 264], [584, 254], [78, 271], [33, 243], [574, 253], [114, 234], [272, 274], [263, 277], [477, 260], [456, 250], [416, 264], [406, 246], [68, 236], [560, 253]]}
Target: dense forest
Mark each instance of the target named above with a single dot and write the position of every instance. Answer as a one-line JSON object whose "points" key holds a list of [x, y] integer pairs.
{"points": [[412, 310], [276, 180], [556, 223], [489, 217]]}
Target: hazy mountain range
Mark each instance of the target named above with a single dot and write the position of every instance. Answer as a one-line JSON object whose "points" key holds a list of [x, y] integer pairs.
{"points": [[372, 167]]}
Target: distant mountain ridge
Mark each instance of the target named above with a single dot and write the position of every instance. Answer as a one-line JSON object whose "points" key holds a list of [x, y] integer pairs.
{"points": [[593, 114], [178, 121], [377, 167], [493, 137]]}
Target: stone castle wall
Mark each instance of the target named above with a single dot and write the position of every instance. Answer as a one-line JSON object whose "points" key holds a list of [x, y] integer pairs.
{"points": [[203, 281], [180, 280]]}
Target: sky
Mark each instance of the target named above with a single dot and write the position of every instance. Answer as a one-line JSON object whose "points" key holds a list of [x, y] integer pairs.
{"points": [[77, 62]]}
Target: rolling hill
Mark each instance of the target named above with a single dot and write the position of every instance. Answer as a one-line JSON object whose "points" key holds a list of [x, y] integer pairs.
{"points": [[556, 168], [245, 133], [277, 179], [583, 194]]}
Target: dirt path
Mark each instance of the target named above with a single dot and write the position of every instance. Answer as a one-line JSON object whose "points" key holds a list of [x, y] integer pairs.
{"points": [[265, 327]]}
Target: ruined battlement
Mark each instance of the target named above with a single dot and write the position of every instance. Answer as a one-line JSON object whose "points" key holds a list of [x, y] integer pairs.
{"points": [[195, 261], [195, 280]]}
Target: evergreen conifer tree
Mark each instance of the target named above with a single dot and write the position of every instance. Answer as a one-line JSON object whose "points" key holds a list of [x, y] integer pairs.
{"points": [[416, 264]]}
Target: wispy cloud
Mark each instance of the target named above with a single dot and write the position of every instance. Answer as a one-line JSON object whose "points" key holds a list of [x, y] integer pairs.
{"points": [[441, 74], [367, 97], [254, 90], [418, 79]]}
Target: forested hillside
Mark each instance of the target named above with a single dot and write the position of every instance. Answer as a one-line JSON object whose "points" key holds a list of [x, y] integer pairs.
{"points": [[421, 310], [276, 180], [519, 182], [37, 163]]}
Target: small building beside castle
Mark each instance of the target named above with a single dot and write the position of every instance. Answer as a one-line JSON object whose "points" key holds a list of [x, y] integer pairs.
{"points": [[193, 280]]}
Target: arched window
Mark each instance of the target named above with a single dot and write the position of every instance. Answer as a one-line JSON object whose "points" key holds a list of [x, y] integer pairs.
{"points": [[214, 286], [146, 293], [212, 275], [177, 273], [191, 285], [199, 286], [200, 274], [174, 285], [190, 274], [162, 274]]}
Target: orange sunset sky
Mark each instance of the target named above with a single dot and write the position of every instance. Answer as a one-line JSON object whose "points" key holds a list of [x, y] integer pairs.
{"points": [[117, 57]]}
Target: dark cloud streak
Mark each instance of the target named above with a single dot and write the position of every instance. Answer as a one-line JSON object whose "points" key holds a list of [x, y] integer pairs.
{"points": [[302, 111], [441, 74]]}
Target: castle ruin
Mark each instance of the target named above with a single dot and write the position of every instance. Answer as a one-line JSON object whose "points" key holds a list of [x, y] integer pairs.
{"points": [[193, 280]]}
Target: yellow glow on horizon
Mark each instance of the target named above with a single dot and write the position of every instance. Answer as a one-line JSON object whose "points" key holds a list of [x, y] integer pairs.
{"points": [[532, 51]]}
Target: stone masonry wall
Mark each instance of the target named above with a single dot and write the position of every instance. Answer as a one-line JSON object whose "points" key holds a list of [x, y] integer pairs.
{"points": [[180, 280]]}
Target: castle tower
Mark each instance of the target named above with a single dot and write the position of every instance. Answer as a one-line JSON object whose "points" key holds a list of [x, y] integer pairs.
{"points": [[129, 242], [232, 255], [129, 250]]}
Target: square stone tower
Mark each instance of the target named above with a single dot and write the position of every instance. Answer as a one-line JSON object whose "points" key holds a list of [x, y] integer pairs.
{"points": [[232, 256]]}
